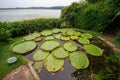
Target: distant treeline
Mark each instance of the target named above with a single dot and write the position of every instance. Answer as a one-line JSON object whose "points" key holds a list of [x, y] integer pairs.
{"points": [[53, 7]]}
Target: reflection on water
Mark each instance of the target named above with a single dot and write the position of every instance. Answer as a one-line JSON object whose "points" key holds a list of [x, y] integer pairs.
{"points": [[23, 14]]}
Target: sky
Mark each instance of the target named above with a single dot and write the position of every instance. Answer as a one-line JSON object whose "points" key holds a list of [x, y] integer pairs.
{"points": [[34, 3]]}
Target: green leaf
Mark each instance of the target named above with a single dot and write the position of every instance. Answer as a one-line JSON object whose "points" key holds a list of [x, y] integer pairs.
{"points": [[93, 50], [49, 38], [87, 35], [77, 33], [40, 55], [83, 40], [46, 32], [11, 60], [38, 39], [32, 36], [24, 47], [60, 52], [79, 60], [53, 64], [64, 38], [58, 36], [70, 46], [38, 65], [74, 37], [49, 45], [56, 30]]}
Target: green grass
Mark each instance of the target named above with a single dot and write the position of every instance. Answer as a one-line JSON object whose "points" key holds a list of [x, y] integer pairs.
{"points": [[5, 53]]}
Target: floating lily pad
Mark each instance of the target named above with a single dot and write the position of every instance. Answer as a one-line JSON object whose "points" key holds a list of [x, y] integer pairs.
{"points": [[83, 40], [49, 45], [74, 37], [60, 52], [24, 47], [38, 65], [70, 46], [38, 39], [56, 30], [87, 35], [79, 60], [77, 33], [11, 60], [65, 38], [53, 64], [70, 33], [93, 50], [32, 36], [58, 36], [40, 55], [46, 32], [49, 38]]}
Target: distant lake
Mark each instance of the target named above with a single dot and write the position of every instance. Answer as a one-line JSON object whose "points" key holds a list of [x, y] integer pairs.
{"points": [[24, 14]]}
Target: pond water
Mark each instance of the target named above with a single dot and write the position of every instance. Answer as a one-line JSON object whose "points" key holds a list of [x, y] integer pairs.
{"points": [[24, 14]]}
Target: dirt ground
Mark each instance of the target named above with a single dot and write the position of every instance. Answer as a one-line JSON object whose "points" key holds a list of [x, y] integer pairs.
{"points": [[21, 73]]}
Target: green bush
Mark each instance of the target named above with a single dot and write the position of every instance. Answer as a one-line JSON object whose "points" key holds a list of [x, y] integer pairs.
{"points": [[20, 28]]}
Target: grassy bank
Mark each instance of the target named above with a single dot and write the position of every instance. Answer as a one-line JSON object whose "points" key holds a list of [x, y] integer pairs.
{"points": [[5, 53]]}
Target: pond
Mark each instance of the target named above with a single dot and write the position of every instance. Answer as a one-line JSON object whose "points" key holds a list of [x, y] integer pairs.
{"points": [[65, 54]]}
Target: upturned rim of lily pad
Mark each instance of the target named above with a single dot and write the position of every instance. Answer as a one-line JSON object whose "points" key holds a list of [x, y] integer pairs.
{"points": [[87, 35], [83, 40], [46, 32]]}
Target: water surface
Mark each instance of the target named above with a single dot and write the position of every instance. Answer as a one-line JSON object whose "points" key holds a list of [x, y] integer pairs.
{"points": [[23, 14]]}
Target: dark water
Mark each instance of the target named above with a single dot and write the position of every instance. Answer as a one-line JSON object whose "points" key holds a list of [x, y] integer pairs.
{"points": [[23, 14]]}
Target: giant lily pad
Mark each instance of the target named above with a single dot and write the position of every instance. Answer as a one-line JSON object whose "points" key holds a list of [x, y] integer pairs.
{"points": [[87, 35], [56, 30], [79, 60], [49, 45], [74, 37], [40, 55], [70, 32], [38, 65], [60, 52], [70, 46], [24, 47], [65, 38], [58, 36], [32, 36], [77, 33], [53, 64], [49, 38], [93, 50], [46, 32], [83, 40]]}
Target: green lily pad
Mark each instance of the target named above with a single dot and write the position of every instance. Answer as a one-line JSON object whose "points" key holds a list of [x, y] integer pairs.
{"points": [[70, 46], [11, 60], [38, 39], [93, 50], [46, 32], [49, 38], [24, 47], [56, 30], [40, 55], [32, 36], [79, 60], [87, 35], [83, 40], [74, 37], [70, 32], [77, 33], [60, 52], [65, 38], [38, 65], [58, 36], [53, 64], [49, 45]]}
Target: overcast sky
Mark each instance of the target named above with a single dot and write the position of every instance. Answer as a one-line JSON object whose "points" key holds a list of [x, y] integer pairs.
{"points": [[34, 3]]}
